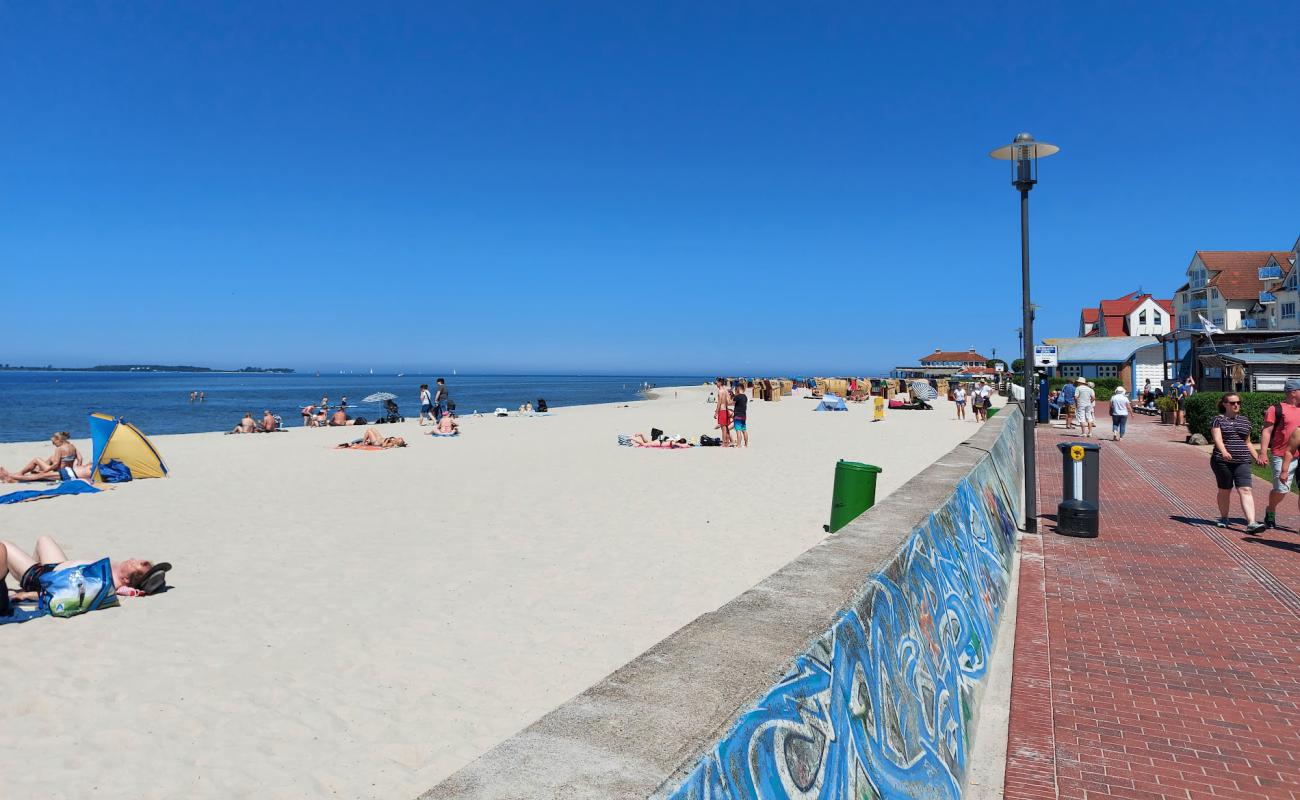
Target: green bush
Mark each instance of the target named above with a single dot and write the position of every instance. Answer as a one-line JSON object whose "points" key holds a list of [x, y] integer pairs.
{"points": [[1201, 407], [1105, 386]]}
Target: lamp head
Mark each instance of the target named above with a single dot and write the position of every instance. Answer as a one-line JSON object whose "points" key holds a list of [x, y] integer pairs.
{"points": [[1023, 153]]}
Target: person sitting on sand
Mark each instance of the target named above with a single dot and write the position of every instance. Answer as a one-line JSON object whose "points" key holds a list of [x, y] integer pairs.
{"points": [[133, 577], [322, 418], [269, 422], [340, 418], [65, 455], [63, 464], [247, 424], [374, 438], [446, 426]]}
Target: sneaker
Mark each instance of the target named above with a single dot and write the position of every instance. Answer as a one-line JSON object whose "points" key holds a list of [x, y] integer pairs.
{"points": [[1270, 519], [1221, 522], [1257, 527]]}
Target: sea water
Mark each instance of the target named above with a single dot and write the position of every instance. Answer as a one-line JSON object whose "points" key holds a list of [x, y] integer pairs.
{"points": [[35, 404]]}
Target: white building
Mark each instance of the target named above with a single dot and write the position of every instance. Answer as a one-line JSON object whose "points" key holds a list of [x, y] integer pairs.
{"points": [[1134, 314]]}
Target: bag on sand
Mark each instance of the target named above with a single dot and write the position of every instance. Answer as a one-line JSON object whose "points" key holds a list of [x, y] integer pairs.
{"points": [[114, 471], [710, 441], [76, 590]]}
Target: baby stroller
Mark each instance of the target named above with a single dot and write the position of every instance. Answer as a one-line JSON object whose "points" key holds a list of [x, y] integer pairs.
{"points": [[391, 413]]}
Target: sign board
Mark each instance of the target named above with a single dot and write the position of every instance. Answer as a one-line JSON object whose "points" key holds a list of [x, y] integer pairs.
{"points": [[1045, 355], [998, 366], [880, 409]]}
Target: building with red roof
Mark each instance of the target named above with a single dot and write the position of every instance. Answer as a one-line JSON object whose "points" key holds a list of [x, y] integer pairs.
{"points": [[1134, 314], [1239, 290]]}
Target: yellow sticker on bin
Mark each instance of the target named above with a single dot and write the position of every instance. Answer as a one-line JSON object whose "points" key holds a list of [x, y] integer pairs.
{"points": [[1076, 452]]}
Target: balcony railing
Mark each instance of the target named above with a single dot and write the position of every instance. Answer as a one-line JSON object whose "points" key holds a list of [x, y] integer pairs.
{"points": [[1255, 324], [1267, 297], [1198, 302], [1273, 273]]}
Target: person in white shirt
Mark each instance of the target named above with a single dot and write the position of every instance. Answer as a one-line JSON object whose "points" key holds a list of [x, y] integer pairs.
{"points": [[1084, 398], [959, 399], [1118, 414]]}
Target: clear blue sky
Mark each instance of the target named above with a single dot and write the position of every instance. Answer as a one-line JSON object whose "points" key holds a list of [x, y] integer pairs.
{"points": [[672, 187]]}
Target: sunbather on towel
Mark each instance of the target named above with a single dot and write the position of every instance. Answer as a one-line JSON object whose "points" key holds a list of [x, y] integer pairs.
{"points": [[641, 440], [65, 455], [133, 577], [374, 438], [269, 422], [446, 426], [340, 418]]}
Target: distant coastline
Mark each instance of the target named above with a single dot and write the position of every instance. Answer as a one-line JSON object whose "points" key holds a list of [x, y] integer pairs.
{"points": [[143, 368]]}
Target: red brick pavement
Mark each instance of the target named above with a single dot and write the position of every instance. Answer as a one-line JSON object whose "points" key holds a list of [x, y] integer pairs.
{"points": [[1161, 660]]}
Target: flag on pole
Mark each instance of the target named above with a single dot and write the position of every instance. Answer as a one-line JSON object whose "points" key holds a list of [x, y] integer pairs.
{"points": [[1209, 327]]}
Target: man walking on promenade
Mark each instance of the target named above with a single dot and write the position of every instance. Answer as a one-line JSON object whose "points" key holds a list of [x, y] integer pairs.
{"points": [[1067, 398], [1084, 397], [1280, 421]]}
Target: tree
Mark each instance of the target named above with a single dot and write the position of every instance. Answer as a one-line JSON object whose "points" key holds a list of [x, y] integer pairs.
{"points": [[1018, 366]]}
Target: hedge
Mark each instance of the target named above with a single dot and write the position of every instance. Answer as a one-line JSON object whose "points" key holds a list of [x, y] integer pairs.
{"points": [[1105, 386], [1201, 407]]}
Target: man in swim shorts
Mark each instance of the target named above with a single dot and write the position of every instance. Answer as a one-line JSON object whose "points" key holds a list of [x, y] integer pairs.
{"points": [[133, 577], [740, 412], [723, 414]]}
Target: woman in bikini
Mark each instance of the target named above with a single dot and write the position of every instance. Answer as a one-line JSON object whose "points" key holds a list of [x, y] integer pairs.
{"points": [[63, 462], [374, 438]]}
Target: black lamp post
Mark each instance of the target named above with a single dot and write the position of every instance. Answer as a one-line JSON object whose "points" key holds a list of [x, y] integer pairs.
{"points": [[1023, 153]]}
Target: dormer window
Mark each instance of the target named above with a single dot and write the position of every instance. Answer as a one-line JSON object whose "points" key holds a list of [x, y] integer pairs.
{"points": [[1142, 317]]}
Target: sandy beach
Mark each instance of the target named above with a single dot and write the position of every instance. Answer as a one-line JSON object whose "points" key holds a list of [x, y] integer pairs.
{"points": [[362, 624]]}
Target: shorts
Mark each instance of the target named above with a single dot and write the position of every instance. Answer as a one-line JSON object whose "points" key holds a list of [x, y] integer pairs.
{"points": [[724, 417], [1085, 414], [1228, 474], [426, 409], [738, 424], [1279, 485], [31, 580], [1069, 408], [961, 403]]}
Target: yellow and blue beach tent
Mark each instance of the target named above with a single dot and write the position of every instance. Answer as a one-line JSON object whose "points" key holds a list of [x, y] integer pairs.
{"points": [[115, 438]]}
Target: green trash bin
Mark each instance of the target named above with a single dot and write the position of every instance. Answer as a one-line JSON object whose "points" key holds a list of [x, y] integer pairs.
{"points": [[854, 492]]}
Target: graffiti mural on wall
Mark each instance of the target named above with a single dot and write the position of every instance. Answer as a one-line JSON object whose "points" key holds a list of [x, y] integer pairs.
{"points": [[882, 705]]}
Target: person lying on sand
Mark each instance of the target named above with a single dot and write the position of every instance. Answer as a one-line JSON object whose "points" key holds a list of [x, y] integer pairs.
{"points": [[133, 577], [269, 422], [374, 438], [65, 455], [247, 424], [340, 417], [641, 440]]}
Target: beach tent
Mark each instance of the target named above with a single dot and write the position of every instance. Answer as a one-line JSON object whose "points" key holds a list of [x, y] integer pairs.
{"points": [[831, 403], [115, 438]]}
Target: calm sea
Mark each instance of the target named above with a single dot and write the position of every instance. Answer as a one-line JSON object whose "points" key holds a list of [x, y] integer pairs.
{"points": [[35, 404]]}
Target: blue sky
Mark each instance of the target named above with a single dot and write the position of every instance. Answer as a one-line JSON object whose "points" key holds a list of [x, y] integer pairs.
{"points": [[671, 187]]}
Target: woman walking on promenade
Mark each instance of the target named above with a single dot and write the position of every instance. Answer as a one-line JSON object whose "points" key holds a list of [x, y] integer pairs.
{"points": [[1231, 460], [1118, 414]]}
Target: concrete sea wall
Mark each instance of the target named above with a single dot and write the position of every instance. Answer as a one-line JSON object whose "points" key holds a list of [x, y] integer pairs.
{"points": [[853, 672]]}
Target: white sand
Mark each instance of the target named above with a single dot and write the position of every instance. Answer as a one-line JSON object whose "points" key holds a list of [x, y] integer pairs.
{"points": [[362, 624]]}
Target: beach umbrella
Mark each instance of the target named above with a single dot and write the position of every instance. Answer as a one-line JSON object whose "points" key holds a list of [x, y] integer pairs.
{"points": [[379, 397], [922, 390]]}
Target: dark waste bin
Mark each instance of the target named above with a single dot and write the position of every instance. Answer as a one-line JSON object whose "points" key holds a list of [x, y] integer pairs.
{"points": [[854, 492], [1079, 512]]}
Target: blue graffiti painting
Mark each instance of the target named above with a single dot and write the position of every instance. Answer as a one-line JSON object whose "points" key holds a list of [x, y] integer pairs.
{"points": [[881, 706]]}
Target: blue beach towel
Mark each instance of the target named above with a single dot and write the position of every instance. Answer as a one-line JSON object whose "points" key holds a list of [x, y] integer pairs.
{"points": [[67, 487], [17, 615]]}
